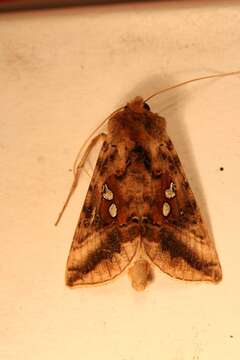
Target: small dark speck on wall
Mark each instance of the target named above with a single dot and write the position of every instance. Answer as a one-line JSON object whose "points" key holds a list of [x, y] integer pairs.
{"points": [[221, 168]]}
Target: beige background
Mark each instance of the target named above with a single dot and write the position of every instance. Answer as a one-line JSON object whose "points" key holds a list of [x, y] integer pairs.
{"points": [[61, 73]]}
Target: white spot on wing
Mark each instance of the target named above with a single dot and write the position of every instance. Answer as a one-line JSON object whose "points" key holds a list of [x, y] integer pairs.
{"points": [[113, 210], [166, 209], [107, 193], [171, 192]]}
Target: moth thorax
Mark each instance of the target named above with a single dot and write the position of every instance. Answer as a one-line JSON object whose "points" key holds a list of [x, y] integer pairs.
{"points": [[140, 274]]}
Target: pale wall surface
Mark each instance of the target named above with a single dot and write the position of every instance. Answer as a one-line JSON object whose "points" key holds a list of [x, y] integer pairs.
{"points": [[61, 73]]}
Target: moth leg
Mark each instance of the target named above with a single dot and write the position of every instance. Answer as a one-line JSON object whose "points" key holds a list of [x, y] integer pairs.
{"points": [[82, 161], [90, 164], [86, 171], [78, 169], [87, 168]]}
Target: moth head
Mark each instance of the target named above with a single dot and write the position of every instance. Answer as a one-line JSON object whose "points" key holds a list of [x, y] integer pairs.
{"points": [[134, 117], [138, 105]]}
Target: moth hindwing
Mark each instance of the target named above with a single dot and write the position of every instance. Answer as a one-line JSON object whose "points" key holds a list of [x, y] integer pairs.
{"points": [[140, 209]]}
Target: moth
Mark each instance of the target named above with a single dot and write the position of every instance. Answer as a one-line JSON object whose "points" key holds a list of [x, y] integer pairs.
{"points": [[139, 210]]}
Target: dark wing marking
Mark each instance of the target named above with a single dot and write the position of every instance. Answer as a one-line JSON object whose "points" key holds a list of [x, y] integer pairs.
{"points": [[103, 245], [178, 243], [101, 256]]}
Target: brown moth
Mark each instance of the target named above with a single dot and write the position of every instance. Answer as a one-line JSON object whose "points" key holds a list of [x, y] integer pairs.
{"points": [[139, 209]]}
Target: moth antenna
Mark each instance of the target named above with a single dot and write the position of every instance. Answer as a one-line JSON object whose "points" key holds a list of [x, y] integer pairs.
{"points": [[90, 136], [77, 172], [78, 164], [191, 81]]}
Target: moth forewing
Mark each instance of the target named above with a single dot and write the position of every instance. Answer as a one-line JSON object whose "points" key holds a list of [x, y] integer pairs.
{"points": [[139, 198]]}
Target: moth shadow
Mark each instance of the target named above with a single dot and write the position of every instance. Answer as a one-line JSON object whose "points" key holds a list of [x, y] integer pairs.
{"points": [[171, 106]]}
